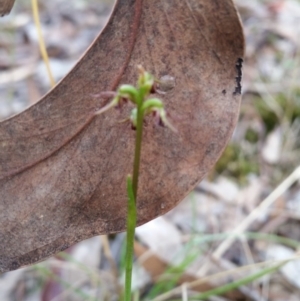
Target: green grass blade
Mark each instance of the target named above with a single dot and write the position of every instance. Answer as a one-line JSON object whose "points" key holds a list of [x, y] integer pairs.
{"points": [[236, 284]]}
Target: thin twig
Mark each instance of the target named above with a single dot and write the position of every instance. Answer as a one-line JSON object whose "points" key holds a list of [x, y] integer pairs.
{"points": [[108, 254], [184, 292], [214, 277], [244, 225]]}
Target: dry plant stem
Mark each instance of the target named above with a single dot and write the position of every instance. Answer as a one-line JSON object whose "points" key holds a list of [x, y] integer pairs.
{"points": [[184, 292], [236, 284], [108, 255], [251, 294], [43, 50], [220, 275], [267, 202]]}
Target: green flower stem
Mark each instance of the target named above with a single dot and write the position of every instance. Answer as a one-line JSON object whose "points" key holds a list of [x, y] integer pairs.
{"points": [[131, 222], [138, 147], [143, 107], [132, 188]]}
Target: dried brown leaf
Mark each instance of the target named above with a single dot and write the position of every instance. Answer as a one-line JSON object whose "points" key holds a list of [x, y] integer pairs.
{"points": [[6, 6], [63, 170]]}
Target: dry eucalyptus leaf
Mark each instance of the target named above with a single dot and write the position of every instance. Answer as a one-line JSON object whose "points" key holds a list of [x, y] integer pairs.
{"points": [[6, 6], [63, 170]]}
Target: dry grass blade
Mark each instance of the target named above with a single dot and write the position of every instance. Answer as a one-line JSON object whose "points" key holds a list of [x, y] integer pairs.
{"points": [[265, 204], [43, 50], [229, 273]]}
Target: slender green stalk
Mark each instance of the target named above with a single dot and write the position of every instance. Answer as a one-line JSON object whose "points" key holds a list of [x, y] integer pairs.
{"points": [[131, 222], [132, 188], [138, 147]]}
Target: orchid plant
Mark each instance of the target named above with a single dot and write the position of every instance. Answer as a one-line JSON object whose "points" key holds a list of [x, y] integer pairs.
{"points": [[143, 106]]}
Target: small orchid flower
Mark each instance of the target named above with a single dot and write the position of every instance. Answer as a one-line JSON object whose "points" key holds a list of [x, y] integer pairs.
{"points": [[145, 86]]}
